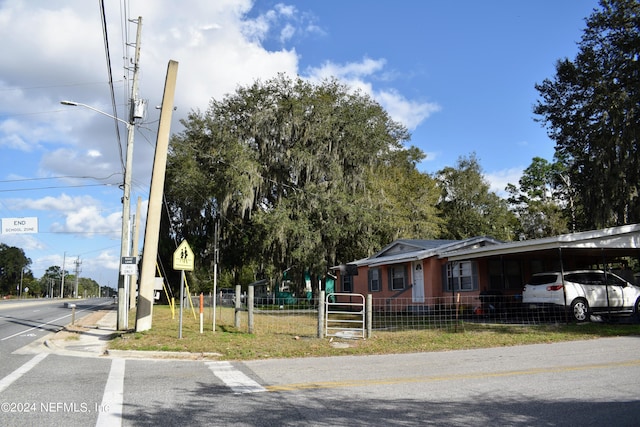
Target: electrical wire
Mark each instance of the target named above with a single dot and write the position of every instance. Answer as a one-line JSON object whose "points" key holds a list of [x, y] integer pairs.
{"points": [[60, 177], [110, 74], [54, 187]]}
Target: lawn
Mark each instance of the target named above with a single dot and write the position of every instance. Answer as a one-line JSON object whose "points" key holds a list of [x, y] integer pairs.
{"points": [[294, 335]]}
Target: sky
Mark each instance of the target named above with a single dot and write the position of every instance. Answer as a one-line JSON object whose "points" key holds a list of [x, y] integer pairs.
{"points": [[459, 75]]}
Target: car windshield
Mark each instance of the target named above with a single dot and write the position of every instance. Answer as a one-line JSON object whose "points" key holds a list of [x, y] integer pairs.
{"points": [[543, 279]]}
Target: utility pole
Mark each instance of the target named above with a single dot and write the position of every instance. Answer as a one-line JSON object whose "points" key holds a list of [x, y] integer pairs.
{"points": [[144, 312], [134, 248], [75, 294], [64, 259], [123, 313]]}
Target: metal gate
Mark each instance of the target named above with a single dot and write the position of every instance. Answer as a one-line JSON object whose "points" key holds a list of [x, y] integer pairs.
{"points": [[345, 315]]}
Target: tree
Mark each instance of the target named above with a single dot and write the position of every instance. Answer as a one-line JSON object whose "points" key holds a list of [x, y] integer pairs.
{"points": [[13, 263], [591, 108], [537, 200], [51, 280], [467, 206], [299, 176]]}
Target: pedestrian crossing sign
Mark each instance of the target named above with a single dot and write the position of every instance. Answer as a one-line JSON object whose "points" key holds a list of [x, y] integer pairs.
{"points": [[183, 257]]}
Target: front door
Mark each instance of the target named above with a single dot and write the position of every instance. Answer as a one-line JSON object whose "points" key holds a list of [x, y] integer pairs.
{"points": [[417, 276]]}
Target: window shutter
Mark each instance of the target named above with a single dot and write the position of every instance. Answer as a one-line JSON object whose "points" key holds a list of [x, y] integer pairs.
{"points": [[445, 279]]}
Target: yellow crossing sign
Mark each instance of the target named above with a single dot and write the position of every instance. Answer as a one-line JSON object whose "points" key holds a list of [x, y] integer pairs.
{"points": [[183, 257]]}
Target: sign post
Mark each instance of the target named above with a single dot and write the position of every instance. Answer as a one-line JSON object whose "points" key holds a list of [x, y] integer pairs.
{"points": [[128, 268], [183, 260]]}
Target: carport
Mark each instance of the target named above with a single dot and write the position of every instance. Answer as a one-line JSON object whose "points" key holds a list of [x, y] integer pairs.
{"points": [[505, 267]]}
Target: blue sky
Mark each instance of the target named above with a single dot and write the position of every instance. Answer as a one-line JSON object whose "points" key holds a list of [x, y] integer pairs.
{"points": [[460, 75]]}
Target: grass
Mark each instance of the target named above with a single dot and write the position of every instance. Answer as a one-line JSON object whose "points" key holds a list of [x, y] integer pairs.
{"points": [[278, 336]]}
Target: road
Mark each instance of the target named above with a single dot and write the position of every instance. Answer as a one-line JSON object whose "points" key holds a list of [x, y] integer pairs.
{"points": [[592, 382]]}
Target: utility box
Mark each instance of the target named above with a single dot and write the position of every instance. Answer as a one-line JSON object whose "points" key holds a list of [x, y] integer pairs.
{"points": [[140, 108]]}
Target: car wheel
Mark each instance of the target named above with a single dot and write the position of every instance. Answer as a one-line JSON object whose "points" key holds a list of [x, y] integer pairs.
{"points": [[636, 308], [580, 310]]}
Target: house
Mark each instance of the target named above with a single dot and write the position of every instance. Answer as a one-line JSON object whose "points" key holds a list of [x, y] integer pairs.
{"points": [[409, 274]]}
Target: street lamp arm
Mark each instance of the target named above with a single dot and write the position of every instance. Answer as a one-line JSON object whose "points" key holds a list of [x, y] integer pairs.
{"points": [[79, 104]]}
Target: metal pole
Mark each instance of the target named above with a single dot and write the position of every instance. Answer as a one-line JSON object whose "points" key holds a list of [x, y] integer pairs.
{"points": [[181, 301], [64, 258], [369, 315], [321, 308], [215, 274]]}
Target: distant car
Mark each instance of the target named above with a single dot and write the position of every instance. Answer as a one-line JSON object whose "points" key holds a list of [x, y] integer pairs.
{"points": [[585, 292]]}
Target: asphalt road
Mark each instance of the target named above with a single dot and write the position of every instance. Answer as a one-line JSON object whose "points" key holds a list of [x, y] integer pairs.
{"points": [[578, 383]]}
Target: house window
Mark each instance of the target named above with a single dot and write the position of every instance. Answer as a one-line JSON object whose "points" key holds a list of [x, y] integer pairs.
{"points": [[397, 278], [374, 280], [462, 276], [347, 283]]}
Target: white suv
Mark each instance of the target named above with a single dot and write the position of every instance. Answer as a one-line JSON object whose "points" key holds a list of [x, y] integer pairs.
{"points": [[585, 291]]}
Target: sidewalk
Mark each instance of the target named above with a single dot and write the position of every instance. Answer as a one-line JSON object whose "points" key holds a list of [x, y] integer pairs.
{"points": [[90, 336]]}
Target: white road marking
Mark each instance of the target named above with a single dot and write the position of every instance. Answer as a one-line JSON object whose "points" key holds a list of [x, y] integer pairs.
{"points": [[9, 379], [35, 327], [49, 322], [234, 379], [110, 413]]}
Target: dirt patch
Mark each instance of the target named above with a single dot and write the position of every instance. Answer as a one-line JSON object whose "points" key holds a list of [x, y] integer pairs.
{"points": [[91, 320], [83, 324]]}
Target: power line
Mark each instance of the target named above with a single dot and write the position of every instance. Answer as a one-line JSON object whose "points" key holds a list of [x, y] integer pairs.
{"points": [[54, 187], [110, 74], [61, 177], [55, 85]]}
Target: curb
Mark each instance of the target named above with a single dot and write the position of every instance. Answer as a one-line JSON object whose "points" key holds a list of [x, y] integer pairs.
{"points": [[93, 341]]}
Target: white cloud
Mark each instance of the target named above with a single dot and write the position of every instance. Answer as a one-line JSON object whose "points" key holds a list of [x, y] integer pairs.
{"points": [[498, 180], [27, 242], [354, 74], [410, 113], [82, 214], [350, 72]]}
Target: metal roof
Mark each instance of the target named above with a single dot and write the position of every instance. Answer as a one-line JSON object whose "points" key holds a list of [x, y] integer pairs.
{"points": [[405, 250], [626, 237]]}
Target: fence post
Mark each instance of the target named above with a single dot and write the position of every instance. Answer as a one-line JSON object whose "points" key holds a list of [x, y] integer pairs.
{"points": [[321, 315], [250, 308], [369, 308], [236, 321]]}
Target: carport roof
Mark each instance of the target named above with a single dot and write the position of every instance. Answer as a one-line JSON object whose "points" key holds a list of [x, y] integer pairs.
{"points": [[407, 250], [622, 239]]}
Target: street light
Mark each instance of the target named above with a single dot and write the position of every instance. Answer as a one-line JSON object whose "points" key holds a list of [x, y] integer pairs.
{"points": [[80, 104], [122, 323]]}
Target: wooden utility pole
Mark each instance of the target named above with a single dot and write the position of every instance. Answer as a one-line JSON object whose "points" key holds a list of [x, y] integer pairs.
{"points": [[123, 281], [144, 310], [134, 249]]}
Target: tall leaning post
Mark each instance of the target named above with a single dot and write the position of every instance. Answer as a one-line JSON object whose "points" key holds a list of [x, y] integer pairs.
{"points": [[144, 311]]}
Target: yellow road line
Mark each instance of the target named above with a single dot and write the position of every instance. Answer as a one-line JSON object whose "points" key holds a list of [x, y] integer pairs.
{"points": [[427, 379]]}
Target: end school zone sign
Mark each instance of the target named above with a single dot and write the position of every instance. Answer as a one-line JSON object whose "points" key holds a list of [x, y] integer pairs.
{"points": [[19, 225]]}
